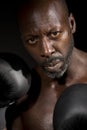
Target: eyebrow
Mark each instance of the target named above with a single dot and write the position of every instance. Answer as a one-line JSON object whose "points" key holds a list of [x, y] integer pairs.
{"points": [[36, 33]]}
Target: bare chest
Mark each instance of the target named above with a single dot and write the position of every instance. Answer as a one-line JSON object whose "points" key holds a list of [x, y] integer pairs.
{"points": [[40, 115]]}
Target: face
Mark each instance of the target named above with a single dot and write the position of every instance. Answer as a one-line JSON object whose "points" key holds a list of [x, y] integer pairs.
{"points": [[47, 35]]}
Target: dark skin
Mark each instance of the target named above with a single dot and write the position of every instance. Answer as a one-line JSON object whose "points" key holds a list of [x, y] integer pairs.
{"points": [[47, 31]]}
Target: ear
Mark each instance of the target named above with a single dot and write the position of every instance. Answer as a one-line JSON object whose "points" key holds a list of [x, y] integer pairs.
{"points": [[72, 23]]}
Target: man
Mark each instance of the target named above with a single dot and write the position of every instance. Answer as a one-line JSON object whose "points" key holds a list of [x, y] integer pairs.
{"points": [[47, 30]]}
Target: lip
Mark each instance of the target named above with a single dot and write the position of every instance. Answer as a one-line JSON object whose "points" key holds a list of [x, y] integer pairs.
{"points": [[54, 66], [53, 63]]}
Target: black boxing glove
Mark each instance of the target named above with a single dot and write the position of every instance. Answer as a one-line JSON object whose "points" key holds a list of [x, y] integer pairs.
{"points": [[70, 111], [15, 78], [17, 109]]}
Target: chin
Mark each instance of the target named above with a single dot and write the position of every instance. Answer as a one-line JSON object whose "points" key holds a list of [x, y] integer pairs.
{"points": [[56, 74]]}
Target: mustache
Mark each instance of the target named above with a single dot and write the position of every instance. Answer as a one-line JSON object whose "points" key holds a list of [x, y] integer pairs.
{"points": [[49, 60]]}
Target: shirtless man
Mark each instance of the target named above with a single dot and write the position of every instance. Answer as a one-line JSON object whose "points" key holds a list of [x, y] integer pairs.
{"points": [[47, 30]]}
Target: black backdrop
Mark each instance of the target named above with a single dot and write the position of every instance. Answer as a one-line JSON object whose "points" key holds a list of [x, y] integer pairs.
{"points": [[9, 35]]}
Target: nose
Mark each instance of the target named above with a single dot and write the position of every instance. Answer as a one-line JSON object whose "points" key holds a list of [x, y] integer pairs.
{"points": [[47, 48]]}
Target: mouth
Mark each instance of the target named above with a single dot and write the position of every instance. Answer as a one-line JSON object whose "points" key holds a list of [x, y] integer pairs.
{"points": [[54, 65]]}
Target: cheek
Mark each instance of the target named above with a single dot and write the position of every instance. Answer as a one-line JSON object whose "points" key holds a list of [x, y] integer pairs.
{"points": [[63, 44]]}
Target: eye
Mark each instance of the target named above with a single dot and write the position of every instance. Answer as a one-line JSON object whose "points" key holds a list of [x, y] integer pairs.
{"points": [[32, 40], [54, 34]]}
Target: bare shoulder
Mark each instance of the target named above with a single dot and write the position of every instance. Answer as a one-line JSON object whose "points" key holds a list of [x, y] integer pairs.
{"points": [[78, 66], [17, 124], [81, 57], [81, 60], [13, 119]]}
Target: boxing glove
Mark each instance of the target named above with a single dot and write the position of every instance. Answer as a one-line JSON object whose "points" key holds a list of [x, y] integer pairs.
{"points": [[15, 78], [70, 112]]}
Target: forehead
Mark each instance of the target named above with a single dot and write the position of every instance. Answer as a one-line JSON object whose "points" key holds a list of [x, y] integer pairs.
{"points": [[41, 15]]}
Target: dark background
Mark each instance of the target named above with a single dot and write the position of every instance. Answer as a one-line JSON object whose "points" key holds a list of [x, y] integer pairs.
{"points": [[9, 36], [10, 40]]}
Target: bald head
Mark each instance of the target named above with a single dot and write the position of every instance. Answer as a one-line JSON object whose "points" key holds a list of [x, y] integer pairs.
{"points": [[40, 2], [36, 9], [33, 4]]}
